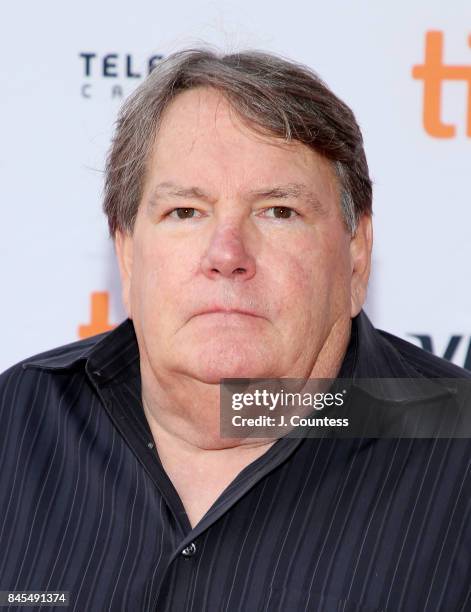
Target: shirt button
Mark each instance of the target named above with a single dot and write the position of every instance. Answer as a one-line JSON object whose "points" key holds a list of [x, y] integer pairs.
{"points": [[189, 551]]}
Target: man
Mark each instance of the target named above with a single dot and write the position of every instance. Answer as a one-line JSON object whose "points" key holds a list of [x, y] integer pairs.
{"points": [[238, 196]]}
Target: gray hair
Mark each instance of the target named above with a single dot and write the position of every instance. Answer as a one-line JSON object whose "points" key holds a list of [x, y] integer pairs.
{"points": [[274, 96]]}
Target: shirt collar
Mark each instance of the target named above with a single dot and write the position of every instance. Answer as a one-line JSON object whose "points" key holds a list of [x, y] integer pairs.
{"points": [[108, 357], [379, 369], [113, 356]]}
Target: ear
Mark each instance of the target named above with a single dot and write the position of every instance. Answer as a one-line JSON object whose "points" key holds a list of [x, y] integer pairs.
{"points": [[360, 257], [124, 252]]}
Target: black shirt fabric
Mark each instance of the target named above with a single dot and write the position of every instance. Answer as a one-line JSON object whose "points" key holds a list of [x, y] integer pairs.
{"points": [[324, 525]]}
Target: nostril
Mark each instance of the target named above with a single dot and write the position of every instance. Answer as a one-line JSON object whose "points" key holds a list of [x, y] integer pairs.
{"points": [[239, 270]]}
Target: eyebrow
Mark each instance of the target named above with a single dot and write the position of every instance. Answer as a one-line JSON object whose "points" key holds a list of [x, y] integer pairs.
{"points": [[289, 191], [172, 190]]}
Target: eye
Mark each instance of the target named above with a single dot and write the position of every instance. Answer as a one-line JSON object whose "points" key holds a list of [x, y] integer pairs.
{"points": [[183, 213], [281, 212]]}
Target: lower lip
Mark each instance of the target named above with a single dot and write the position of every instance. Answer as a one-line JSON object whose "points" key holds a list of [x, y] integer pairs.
{"points": [[225, 316]]}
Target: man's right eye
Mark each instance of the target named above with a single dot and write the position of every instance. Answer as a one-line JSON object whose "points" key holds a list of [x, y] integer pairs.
{"points": [[182, 213]]}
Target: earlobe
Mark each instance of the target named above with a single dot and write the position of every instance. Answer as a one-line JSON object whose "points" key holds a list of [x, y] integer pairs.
{"points": [[124, 253], [360, 253]]}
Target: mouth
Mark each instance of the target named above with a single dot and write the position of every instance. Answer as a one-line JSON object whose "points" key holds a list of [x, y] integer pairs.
{"points": [[217, 310]]}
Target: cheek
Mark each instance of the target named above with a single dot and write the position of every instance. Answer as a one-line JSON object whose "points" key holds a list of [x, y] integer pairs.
{"points": [[157, 264], [312, 277], [162, 279], [150, 269], [291, 289]]}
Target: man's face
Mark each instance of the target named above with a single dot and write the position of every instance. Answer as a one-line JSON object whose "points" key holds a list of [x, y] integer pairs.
{"points": [[239, 264]]}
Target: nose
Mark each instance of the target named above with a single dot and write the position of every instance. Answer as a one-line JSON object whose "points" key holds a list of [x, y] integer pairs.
{"points": [[227, 255]]}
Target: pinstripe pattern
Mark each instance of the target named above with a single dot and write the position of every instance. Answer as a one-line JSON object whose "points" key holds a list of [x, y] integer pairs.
{"points": [[325, 525]]}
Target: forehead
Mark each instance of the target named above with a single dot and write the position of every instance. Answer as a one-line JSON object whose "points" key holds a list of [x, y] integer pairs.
{"points": [[203, 137]]}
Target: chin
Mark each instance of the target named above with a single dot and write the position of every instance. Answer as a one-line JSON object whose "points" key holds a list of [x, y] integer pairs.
{"points": [[212, 368], [215, 373]]}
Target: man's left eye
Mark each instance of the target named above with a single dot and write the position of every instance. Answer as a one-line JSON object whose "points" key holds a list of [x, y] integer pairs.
{"points": [[281, 212]]}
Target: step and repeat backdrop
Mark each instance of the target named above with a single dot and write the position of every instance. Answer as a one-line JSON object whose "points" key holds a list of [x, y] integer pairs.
{"points": [[404, 68]]}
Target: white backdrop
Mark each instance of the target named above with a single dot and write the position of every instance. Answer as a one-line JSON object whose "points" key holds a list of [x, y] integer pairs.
{"points": [[56, 124]]}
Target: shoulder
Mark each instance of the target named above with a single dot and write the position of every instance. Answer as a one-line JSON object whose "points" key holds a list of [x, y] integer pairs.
{"points": [[425, 363]]}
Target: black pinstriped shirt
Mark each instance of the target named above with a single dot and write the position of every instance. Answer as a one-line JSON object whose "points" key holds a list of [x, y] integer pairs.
{"points": [[325, 525]]}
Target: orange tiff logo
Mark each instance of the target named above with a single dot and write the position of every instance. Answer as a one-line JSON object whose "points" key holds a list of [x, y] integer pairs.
{"points": [[433, 72], [99, 314]]}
